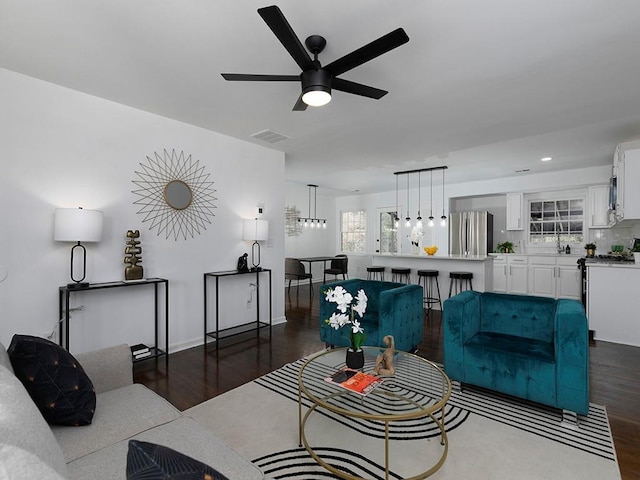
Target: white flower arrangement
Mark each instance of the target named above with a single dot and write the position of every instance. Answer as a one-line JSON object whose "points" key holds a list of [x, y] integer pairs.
{"points": [[416, 234], [339, 319]]}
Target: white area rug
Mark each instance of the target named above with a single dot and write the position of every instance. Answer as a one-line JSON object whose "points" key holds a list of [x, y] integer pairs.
{"points": [[490, 437]]}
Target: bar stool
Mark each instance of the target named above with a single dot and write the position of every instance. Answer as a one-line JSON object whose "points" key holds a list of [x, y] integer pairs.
{"points": [[460, 281], [429, 281], [401, 275], [375, 273]]}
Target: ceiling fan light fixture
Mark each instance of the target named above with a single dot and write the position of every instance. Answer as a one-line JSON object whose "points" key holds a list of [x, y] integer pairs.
{"points": [[316, 87], [316, 98]]}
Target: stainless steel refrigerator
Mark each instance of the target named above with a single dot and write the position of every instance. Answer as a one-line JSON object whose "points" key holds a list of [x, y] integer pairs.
{"points": [[470, 233]]}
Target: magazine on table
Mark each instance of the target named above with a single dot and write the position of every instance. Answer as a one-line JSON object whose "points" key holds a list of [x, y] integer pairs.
{"points": [[355, 380]]}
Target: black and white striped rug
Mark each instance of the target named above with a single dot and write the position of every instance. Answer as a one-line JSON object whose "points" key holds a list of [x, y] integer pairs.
{"points": [[490, 436]]}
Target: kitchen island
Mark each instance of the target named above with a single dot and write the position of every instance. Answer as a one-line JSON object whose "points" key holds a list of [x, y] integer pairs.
{"points": [[480, 266], [613, 302]]}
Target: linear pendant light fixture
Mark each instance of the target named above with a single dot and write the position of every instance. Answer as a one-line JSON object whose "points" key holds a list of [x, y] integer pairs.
{"points": [[431, 200], [407, 220], [313, 222], [397, 218], [443, 218], [419, 219]]}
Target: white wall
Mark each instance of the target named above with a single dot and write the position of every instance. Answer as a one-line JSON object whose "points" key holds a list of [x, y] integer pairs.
{"points": [[62, 148]]}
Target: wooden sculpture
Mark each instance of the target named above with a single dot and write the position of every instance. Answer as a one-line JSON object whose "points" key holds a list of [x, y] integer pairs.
{"points": [[384, 361], [133, 271]]}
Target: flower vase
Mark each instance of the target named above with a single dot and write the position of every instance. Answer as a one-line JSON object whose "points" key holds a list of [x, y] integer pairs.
{"points": [[415, 248], [355, 359]]}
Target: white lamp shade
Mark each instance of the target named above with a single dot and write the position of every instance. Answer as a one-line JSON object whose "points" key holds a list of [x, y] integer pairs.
{"points": [[77, 225], [255, 230]]}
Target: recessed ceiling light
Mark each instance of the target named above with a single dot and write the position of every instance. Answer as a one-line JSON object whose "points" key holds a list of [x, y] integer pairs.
{"points": [[545, 159]]}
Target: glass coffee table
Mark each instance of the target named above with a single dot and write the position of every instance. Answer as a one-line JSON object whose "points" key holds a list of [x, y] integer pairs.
{"points": [[407, 412]]}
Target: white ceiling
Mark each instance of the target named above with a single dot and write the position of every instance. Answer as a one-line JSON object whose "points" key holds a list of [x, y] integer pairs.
{"points": [[485, 87]]}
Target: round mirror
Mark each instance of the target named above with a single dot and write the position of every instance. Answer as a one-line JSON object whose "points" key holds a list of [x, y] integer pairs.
{"points": [[177, 194]]}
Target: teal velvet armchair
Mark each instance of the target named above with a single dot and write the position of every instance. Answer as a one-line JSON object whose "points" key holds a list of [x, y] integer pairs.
{"points": [[392, 309], [531, 347]]}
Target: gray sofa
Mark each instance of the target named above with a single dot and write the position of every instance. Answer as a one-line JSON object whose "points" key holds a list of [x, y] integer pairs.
{"points": [[31, 448]]}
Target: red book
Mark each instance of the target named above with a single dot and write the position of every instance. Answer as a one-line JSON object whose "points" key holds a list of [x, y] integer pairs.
{"points": [[355, 380]]}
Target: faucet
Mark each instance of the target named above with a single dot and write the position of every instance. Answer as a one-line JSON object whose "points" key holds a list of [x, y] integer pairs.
{"points": [[558, 246]]}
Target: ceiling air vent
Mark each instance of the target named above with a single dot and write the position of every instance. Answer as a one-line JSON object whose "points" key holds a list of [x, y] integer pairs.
{"points": [[270, 136]]}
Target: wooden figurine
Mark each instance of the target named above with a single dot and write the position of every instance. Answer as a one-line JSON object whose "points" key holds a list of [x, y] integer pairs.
{"points": [[384, 361]]}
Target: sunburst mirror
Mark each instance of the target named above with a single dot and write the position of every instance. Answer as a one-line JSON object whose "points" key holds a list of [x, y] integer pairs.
{"points": [[175, 195]]}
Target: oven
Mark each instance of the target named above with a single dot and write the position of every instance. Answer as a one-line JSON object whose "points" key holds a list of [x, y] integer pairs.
{"points": [[583, 280], [605, 259]]}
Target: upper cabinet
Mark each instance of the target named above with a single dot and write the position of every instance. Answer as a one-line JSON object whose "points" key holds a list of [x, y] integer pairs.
{"points": [[627, 171], [599, 214], [514, 211]]}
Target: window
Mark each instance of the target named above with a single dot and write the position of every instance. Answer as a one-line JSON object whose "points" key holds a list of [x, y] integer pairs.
{"points": [[353, 228], [551, 221], [387, 241]]}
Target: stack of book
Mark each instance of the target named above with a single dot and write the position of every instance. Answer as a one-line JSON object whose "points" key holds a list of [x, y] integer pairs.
{"points": [[355, 380], [140, 351]]}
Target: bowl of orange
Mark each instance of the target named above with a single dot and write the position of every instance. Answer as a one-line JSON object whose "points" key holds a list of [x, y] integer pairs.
{"points": [[431, 250]]}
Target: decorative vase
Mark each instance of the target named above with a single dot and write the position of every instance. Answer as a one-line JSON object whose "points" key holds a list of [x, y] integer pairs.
{"points": [[355, 359], [591, 252], [636, 257], [415, 248]]}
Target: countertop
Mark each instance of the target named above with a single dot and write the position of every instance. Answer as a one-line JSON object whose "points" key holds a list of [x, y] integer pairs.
{"points": [[613, 264], [570, 255], [422, 256]]}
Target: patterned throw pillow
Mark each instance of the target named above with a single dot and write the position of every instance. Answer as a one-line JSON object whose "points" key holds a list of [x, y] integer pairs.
{"points": [[54, 379], [148, 461]]}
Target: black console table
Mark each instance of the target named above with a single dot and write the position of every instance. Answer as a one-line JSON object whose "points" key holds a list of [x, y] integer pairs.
{"points": [[219, 333], [63, 303]]}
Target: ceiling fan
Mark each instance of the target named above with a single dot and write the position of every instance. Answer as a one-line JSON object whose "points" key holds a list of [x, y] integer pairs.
{"points": [[317, 81]]}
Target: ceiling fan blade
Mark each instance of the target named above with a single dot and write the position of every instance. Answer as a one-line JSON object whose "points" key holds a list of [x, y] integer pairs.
{"points": [[278, 24], [357, 88], [368, 52], [249, 77], [300, 106]]}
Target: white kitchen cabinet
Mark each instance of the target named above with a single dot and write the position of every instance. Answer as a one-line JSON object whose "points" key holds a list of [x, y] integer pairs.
{"points": [[500, 274], [542, 272], [613, 303], [510, 274], [554, 276], [599, 214], [517, 280], [515, 219], [627, 171], [568, 282]]}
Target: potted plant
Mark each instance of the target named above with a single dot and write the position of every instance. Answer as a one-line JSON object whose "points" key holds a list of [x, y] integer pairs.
{"points": [[344, 300], [505, 247], [636, 254], [591, 249]]}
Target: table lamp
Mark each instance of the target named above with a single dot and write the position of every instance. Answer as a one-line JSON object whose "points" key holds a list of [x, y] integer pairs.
{"points": [[257, 231], [77, 225]]}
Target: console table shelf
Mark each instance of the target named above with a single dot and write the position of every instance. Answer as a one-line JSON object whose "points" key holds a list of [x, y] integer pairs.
{"points": [[255, 326], [64, 294]]}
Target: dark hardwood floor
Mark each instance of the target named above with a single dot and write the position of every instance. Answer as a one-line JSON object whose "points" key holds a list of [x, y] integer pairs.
{"points": [[198, 374]]}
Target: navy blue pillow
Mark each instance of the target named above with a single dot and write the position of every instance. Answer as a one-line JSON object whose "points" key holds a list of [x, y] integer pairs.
{"points": [[54, 379], [148, 461]]}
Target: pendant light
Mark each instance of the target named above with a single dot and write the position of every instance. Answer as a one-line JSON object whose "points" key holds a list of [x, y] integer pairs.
{"points": [[396, 218], [313, 222], [443, 218], [419, 218], [431, 201], [407, 222]]}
